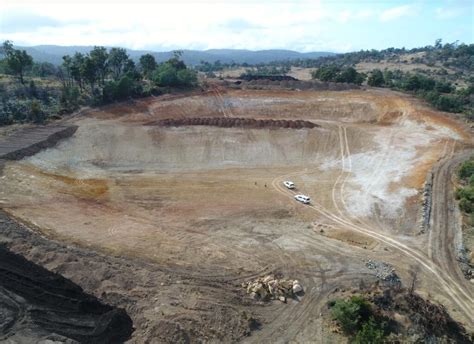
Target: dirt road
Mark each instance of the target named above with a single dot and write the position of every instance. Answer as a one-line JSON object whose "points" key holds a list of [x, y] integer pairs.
{"points": [[444, 236], [441, 261]]}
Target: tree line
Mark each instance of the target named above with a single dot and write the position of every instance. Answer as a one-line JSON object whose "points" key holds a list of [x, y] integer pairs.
{"points": [[98, 77]]}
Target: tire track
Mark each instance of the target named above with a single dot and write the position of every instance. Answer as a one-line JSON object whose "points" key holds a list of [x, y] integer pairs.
{"points": [[459, 296]]}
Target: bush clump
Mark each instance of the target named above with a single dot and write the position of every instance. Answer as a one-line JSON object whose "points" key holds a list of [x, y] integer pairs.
{"points": [[465, 193], [356, 319]]}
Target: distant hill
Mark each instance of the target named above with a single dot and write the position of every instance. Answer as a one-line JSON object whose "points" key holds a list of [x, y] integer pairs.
{"points": [[54, 54]]}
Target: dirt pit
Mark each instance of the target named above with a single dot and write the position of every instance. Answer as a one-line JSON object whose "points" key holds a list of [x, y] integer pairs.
{"points": [[211, 199]]}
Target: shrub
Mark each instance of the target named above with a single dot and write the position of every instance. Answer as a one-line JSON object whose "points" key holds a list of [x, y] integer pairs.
{"points": [[450, 103], [36, 114], [165, 75], [187, 77], [347, 315], [466, 205], [376, 78], [351, 313], [369, 333], [467, 169]]}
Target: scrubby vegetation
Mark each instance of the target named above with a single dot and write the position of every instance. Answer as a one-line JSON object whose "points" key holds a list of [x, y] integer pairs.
{"points": [[264, 71], [442, 94], [394, 316], [444, 78], [465, 193], [339, 74], [44, 91]]}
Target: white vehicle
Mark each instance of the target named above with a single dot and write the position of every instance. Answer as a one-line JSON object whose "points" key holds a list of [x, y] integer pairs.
{"points": [[302, 198], [289, 184]]}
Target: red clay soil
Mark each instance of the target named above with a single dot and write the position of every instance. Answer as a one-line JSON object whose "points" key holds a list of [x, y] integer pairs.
{"points": [[230, 122]]}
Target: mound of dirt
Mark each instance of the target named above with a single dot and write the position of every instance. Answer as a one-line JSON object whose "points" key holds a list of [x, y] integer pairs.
{"points": [[38, 304], [418, 318], [230, 122], [248, 77]]}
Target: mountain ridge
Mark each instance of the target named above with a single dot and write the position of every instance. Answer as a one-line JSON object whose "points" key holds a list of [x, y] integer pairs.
{"points": [[54, 54]]}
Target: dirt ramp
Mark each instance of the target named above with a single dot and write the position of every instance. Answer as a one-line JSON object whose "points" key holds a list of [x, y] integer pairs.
{"points": [[37, 304]]}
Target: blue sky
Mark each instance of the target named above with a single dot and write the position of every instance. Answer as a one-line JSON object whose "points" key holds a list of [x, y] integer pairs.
{"points": [[338, 26]]}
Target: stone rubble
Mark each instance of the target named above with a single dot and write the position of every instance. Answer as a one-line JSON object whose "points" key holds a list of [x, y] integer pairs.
{"points": [[426, 203], [268, 288], [384, 272]]}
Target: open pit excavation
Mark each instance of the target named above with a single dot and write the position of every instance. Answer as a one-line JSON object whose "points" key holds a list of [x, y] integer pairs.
{"points": [[180, 202]]}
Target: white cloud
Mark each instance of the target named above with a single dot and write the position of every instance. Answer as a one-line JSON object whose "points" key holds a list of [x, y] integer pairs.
{"points": [[456, 9], [306, 25], [201, 25], [397, 12]]}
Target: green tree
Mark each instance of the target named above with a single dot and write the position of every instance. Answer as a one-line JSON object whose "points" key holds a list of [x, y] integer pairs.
{"points": [[165, 75], [176, 61], [376, 78], [118, 62], [18, 61], [348, 75], [99, 58], [76, 69], [67, 68], [412, 83], [187, 77], [89, 72], [118, 90], [147, 64]]}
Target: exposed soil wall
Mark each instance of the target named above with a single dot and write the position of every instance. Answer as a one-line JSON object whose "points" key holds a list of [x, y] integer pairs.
{"points": [[36, 303]]}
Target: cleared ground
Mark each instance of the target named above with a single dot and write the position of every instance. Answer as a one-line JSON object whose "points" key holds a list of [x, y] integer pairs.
{"points": [[210, 200]]}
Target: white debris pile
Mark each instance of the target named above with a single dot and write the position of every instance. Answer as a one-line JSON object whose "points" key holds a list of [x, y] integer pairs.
{"points": [[269, 287], [384, 272]]}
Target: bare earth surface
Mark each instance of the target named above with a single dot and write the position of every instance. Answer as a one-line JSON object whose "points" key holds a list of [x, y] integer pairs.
{"points": [[197, 210]]}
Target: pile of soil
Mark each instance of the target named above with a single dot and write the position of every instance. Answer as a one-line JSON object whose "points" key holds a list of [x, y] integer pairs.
{"points": [[267, 77], [230, 122], [38, 304], [412, 318]]}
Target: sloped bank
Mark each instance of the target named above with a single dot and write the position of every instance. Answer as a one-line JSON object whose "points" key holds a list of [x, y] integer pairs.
{"points": [[38, 304], [29, 141]]}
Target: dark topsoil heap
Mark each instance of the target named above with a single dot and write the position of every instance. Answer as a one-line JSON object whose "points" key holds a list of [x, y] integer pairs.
{"points": [[38, 304], [235, 122], [418, 320]]}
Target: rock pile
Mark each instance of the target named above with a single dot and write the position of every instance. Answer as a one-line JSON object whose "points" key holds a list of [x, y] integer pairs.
{"points": [[269, 287], [230, 122], [384, 272], [426, 203]]}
